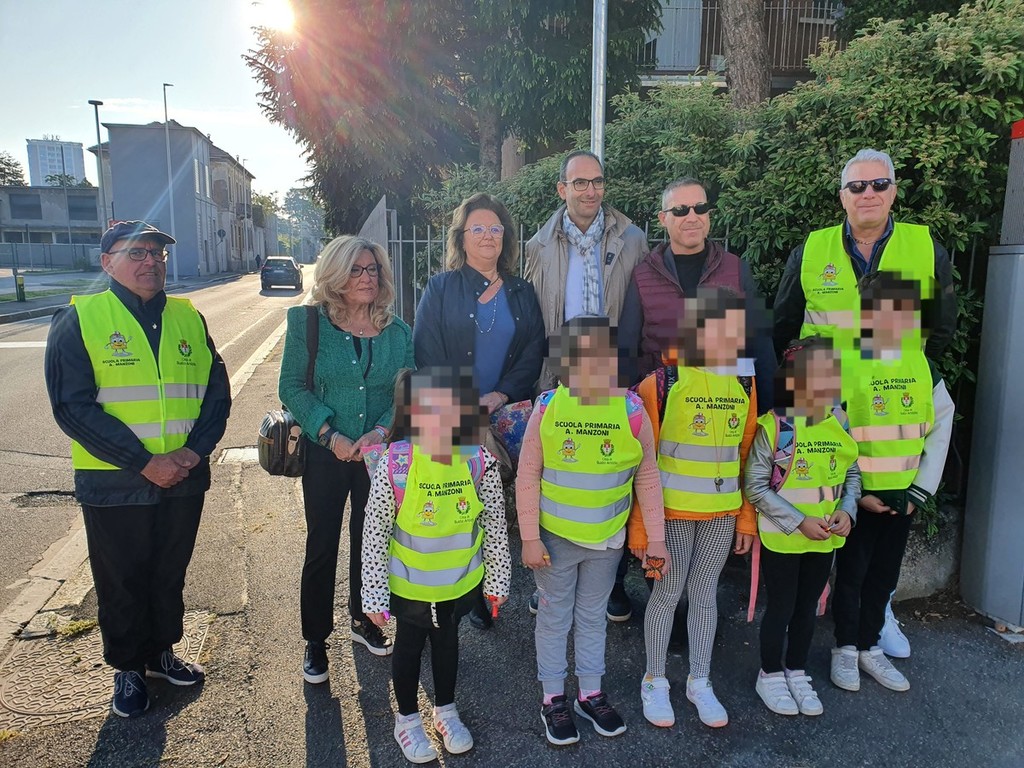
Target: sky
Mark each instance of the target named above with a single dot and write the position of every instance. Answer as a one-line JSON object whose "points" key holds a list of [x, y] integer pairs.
{"points": [[57, 55]]}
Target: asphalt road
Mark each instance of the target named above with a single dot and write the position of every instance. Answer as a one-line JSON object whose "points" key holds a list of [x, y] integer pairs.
{"points": [[965, 707]]}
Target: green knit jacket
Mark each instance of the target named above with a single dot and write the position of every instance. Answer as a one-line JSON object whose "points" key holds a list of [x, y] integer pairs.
{"points": [[353, 393]]}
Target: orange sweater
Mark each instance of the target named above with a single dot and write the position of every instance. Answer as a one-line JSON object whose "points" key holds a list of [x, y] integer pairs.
{"points": [[746, 518]]}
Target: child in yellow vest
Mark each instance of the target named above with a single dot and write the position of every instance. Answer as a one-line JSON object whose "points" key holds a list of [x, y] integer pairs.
{"points": [[588, 447], [902, 419], [434, 532], [705, 415], [802, 477]]}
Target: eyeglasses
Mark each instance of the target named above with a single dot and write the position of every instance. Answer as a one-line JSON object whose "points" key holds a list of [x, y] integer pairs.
{"points": [[684, 210], [580, 185], [139, 254], [371, 269], [479, 229], [860, 186]]}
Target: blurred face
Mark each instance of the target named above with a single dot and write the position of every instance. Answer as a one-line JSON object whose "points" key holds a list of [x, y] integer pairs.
{"points": [[483, 247], [143, 278], [584, 204], [721, 340], [687, 233], [815, 382], [869, 209], [435, 412], [885, 326], [595, 371], [362, 288]]}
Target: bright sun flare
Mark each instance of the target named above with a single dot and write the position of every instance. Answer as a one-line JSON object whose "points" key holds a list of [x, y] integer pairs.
{"points": [[272, 14]]}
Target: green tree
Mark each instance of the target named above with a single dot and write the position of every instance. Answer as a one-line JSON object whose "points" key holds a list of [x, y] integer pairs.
{"points": [[857, 15], [12, 174], [66, 180]]}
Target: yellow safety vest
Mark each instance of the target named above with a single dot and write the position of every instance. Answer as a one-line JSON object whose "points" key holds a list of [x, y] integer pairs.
{"points": [[822, 454], [891, 411], [829, 281], [590, 458], [435, 542], [158, 399], [699, 445]]}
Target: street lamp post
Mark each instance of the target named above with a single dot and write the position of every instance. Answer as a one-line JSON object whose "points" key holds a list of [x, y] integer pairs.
{"points": [[598, 80], [99, 166], [170, 182]]}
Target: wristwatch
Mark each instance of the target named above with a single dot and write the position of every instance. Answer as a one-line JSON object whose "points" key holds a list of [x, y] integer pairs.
{"points": [[326, 438]]}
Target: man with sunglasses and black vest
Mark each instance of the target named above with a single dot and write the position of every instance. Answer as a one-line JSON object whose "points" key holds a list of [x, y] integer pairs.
{"points": [[671, 273], [136, 382], [818, 293]]}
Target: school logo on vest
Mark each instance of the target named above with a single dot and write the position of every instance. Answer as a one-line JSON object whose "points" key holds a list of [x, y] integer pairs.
{"points": [[878, 405], [734, 421], [829, 275], [699, 425], [184, 348], [118, 345], [803, 468], [832, 462], [462, 505], [568, 451], [427, 515], [607, 448], [907, 401]]}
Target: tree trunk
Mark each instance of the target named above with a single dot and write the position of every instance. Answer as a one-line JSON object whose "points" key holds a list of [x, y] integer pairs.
{"points": [[488, 117], [748, 71]]}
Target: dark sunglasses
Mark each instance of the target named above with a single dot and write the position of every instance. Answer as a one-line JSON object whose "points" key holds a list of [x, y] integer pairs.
{"points": [[860, 186], [684, 210]]}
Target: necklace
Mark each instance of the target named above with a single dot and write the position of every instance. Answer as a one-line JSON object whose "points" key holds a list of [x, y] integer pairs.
{"points": [[494, 313], [719, 481]]}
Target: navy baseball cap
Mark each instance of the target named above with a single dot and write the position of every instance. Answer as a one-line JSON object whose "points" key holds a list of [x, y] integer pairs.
{"points": [[123, 229]]}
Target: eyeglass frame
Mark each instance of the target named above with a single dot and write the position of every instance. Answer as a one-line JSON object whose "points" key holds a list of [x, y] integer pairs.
{"points": [[485, 230], [148, 251], [873, 183], [599, 183], [356, 270]]}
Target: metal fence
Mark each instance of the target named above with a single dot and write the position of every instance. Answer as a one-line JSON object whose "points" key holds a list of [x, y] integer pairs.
{"points": [[691, 38], [48, 255]]}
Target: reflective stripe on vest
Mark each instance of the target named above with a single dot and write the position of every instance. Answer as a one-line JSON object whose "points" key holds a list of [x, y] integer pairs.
{"points": [[823, 452], [829, 280], [436, 539], [157, 399], [590, 457], [891, 411], [699, 445]]}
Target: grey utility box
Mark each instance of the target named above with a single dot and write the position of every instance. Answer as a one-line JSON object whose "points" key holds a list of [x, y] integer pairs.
{"points": [[992, 571]]}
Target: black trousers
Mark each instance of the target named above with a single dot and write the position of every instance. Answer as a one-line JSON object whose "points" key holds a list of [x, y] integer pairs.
{"points": [[410, 639], [793, 583], [139, 555], [867, 570], [326, 484]]}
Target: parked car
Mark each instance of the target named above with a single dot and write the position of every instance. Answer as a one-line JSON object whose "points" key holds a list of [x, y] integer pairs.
{"points": [[280, 270]]}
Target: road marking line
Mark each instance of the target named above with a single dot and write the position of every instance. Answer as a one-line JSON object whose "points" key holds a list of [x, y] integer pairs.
{"points": [[243, 374], [22, 344]]}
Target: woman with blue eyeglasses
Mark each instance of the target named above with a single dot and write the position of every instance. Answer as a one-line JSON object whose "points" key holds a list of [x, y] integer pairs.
{"points": [[478, 313], [361, 346]]}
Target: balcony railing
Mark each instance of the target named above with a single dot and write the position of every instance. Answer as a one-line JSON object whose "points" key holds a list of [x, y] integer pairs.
{"points": [[691, 36]]}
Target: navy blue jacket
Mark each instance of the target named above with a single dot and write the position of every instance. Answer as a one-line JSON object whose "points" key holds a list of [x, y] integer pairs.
{"points": [[444, 332]]}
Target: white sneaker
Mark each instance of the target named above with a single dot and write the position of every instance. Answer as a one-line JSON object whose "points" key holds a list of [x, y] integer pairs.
{"points": [[845, 673], [657, 707], [709, 709], [413, 739], [875, 664], [804, 695], [449, 726], [892, 640], [775, 693]]}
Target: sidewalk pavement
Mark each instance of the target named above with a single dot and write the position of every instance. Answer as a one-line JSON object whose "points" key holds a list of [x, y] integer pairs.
{"points": [[75, 282]]}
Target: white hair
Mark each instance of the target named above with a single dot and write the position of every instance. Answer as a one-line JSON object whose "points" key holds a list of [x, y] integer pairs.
{"points": [[868, 156]]}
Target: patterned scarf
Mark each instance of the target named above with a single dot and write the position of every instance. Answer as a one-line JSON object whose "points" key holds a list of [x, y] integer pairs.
{"points": [[586, 245]]}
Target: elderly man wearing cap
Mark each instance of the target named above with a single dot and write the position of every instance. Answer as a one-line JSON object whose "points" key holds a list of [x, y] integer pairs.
{"points": [[135, 381]]}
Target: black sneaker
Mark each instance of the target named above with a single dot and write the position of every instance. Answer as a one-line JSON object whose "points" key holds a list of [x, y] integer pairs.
{"points": [[369, 634], [176, 671], [619, 607], [480, 618], [599, 712], [314, 665], [131, 698], [535, 602], [558, 724]]}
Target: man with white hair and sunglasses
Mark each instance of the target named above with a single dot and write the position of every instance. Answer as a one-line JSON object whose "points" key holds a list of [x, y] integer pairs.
{"points": [[818, 293]]}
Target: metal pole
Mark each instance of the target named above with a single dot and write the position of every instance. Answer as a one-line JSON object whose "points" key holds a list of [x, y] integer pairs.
{"points": [[598, 78], [67, 207], [99, 168], [170, 183]]}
